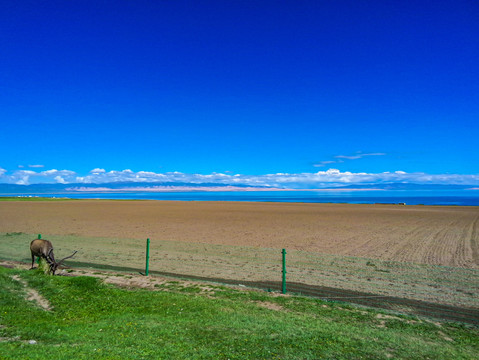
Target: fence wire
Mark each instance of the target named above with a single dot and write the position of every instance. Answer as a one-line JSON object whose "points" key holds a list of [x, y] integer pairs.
{"points": [[438, 291]]}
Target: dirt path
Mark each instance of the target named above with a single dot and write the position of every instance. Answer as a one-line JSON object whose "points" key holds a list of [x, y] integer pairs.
{"points": [[33, 295]]}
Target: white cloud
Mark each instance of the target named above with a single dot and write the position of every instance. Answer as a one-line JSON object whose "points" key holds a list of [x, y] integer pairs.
{"points": [[321, 179], [21, 177], [48, 172], [25, 177], [324, 163], [36, 166], [25, 172], [60, 180], [57, 172], [349, 157], [340, 158], [23, 181], [358, 156]]}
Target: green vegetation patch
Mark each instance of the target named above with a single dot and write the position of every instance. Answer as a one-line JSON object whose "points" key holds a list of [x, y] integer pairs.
{"points": [[32, 198], [89, 319], [45, 198]]}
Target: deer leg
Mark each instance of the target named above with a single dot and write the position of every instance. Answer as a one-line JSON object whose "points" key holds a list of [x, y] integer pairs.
{"points": [[33, 261]]}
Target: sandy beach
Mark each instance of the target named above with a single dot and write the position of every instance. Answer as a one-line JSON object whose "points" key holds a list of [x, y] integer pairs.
{"points": [[437, 235]]}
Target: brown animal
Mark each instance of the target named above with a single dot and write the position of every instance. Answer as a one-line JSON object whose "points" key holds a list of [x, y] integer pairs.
{"points": [[44, 249]]}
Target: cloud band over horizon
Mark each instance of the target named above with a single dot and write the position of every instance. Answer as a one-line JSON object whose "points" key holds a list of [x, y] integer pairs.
{"points": [[320, 179]]}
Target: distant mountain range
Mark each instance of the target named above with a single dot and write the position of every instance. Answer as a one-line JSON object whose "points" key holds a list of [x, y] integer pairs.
{"points": [[112, 187], [38, 189], [410, 186]]}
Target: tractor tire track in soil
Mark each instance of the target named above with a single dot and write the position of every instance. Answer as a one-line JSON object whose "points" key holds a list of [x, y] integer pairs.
{"points": [[401, 305], [475, 242], [436, 235]]}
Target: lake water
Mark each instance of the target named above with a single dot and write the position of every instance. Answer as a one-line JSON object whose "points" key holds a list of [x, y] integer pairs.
{"points": [[463, 197]]}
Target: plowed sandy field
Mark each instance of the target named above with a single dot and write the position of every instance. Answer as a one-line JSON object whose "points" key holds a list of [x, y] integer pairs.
{"points": [[436, 235]]}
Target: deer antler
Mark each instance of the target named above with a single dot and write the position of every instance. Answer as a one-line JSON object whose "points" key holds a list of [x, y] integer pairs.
{"points": [[62, 260], [50, 258]]}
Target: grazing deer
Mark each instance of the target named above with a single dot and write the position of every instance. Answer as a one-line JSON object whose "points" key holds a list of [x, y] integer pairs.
{"points": [[44, 249]]}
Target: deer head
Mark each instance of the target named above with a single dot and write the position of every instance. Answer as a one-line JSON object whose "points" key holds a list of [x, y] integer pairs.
{"points": [[54, 266]]}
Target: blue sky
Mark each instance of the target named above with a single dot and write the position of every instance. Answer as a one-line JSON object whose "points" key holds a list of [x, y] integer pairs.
{"points": [[250, 88]]}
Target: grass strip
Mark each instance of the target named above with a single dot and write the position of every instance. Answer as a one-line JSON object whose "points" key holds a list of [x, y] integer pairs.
{"points": [[93, 320]]}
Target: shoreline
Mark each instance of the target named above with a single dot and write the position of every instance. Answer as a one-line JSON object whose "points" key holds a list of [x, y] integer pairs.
{"points": [[200, 196], [64, 199]]}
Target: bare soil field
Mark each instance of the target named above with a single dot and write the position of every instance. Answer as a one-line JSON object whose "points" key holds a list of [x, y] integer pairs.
{"points": [[369, 254], [435, 235]]}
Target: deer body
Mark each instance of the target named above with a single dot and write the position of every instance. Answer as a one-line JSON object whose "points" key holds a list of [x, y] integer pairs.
{"points": [[42, 248]]}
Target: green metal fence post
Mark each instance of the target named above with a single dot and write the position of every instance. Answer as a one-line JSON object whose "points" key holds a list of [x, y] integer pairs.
{"points": [[38, 259], [147, 256], [284, 271]]}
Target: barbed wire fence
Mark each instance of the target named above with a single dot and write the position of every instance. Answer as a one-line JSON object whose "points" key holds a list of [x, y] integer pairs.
{"points": [[435, 291]]}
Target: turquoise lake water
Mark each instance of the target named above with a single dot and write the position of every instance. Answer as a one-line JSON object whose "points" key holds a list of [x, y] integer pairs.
{"points": [[462, 197]]}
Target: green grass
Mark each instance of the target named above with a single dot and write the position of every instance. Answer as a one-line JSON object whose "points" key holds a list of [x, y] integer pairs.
{"points": [[33, 198], [97, 321], [66, 198]]}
